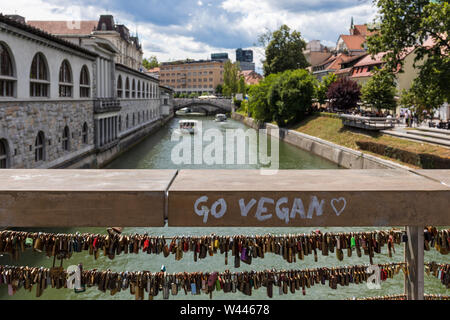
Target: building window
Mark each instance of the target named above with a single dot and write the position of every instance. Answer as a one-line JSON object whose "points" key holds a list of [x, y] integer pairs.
{"points": [[139, 89], [119, 87], [7, 80], [66, 139], [134, 119], [85, 87], [120, 123], [127, 88], [126, 119], [3, 154], [85, 133], [65, 80], [39, 147], [148, 91], [133, 90], [39, 80]]}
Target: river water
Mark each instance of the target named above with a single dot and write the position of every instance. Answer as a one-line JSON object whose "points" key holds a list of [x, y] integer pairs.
{"points": [[155, 153]]}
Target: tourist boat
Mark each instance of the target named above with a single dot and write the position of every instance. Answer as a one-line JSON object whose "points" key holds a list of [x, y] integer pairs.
{"points": [[188, 126], [220, 117]]}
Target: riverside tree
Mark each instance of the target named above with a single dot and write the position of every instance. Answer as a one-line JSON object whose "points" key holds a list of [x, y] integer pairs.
{"points": [[323, 86], [379, 92], [423, 25], [344, 94], [258, 104], [284, 50], [230, 78], [290, 96]]}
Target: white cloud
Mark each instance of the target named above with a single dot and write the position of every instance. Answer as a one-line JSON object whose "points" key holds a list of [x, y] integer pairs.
{"points": [[212, 29]]}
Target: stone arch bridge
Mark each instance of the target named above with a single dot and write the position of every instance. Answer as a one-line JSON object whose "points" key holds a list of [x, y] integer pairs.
{"points": [[210, 106]]}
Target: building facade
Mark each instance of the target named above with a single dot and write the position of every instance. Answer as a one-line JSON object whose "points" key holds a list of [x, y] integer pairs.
{"points": [[129, 48], [245, 59], [192, 76], [68, 106]]}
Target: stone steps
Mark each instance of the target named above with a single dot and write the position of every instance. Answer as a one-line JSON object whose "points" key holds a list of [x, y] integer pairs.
{"points": [[429, 134], [435, 130], [418, 138]]}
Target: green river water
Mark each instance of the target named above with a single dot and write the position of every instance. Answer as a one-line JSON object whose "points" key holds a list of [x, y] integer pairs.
{"points": [[155, 153]]}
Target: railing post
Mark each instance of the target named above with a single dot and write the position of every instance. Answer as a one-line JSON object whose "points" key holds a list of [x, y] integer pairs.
{"points": [[414, 257]]}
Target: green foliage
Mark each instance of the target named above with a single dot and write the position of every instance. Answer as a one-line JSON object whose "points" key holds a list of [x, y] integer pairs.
{"points": [[193, 95], [407, 24], [230, 78], [241, 86], [284, 51], [380, 90], [258, 104], [150, 63], [290, 96], [219, 89], [323, 86]]}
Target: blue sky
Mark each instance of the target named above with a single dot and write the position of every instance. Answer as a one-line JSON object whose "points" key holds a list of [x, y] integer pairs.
{"points": [[179, 29]]}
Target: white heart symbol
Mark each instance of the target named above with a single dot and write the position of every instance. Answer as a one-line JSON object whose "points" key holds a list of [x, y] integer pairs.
{"points": [[338, 212]]}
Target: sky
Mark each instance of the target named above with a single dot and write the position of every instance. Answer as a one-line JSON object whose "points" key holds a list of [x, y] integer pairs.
{"points": [[180, 29]]}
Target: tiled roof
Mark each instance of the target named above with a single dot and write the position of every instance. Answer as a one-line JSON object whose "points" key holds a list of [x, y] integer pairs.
{"points": [[44, 34], [368, 60], [251, 77], [353, 42], [157, 69], [362, 29], [341, 71], [65, 27]]}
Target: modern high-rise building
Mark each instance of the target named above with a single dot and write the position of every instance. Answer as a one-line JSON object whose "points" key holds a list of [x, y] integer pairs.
{"points": [[245, 59], [223, 56]]}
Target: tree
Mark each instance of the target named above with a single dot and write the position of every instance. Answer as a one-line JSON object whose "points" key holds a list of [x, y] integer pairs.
{"points": [[284, 51], [219, 89], [323, 86], [150, 63], [258, 104], [230, 78], [423, 25], [290, 96], [241, 86], [344, 94], [380, 90]]}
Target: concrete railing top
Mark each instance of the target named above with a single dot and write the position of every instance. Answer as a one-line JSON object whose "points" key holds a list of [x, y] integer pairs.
{"points": [[291, 198]]}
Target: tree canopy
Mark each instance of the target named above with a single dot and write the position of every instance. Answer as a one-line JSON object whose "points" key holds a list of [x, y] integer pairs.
{"points": [[323, 86], [230, 78], [344, 94], [379, 92], [284, 51], [423, 25], [150, 63]]}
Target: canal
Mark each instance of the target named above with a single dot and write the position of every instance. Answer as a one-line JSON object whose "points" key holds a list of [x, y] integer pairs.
{"points": [[155, 153]]}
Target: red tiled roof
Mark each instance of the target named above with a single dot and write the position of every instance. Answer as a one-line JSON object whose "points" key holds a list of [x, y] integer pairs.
{"points": [[65, 27], [368, 60], [44, 34], [362, 30], [353, 42], [157, 69], [251, 77], [342, 71]]}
